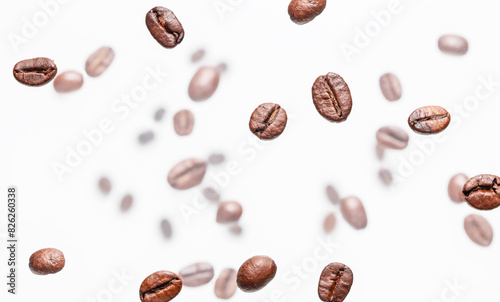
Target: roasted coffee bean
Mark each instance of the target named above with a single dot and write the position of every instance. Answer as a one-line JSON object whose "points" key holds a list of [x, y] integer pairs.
{"points": [[146, 137], [453, 45], [354, 212], [392, 137], [183, 122], [482, 192], [332, 194], [216, 158], [236, 229], [211, 194], [391, 87], [304, 11], [380, 151], [429, 120], [166, 228], [332, 97], [455, 187], [164, 27], [47, 261], [161, 286], [268, 121], [197, 274], [158, 117], [204, 83], [105, 185], [197, 55], [99, 61], [478, 229], [68, 81], [335, 282], [255, 273], [35, 72], [329, 223], [385, 176], [126, 203], [222, 67], [187, 174], [229, 211], [225, 285]]}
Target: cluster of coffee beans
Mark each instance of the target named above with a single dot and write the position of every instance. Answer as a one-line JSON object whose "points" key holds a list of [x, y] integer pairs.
{"points": [[352, 210], [104, 185]]}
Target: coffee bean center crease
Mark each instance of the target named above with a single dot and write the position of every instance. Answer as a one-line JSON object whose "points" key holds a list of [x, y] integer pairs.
{"points": [[159, 288]]}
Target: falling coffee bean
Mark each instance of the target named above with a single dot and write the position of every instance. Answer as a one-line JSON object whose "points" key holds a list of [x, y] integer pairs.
{"points": [[146, 137], [166, 228], [354, 212], [229, 211], [482, 192], [197, 55], [392, 137], [47, 261], [216, 158], [255, 273], [160, 286], [236, 229], [183, 122], [197, 274], [164, 27], [222, 67], [68, 81], [335, 282], [304, 11], [329, 223], [204, 83], [332, 97], [391, 87], [35, 72], [455, 187], [105, 185], [332, 194], [429, 120], [380, 151], [158, 117], [478, 229], [211, 194], [99, 61], [126, 203], [225, 285], [268, 121], [187, 174], [453, 45], [385, 176]]}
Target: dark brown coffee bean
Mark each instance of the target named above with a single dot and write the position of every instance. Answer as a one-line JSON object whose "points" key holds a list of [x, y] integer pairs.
{"points": [[197, 55], [166, 228], [455, 187], [354, 212], [482, 192], [35, 72], [385, 176], [126, 203], [216, 158], [47, 261], [146, 137], [164, 27], [161, 286], [211, 194], [187, 174], [225, 285], [204, 83], [392, 137], [183, 122], [429, 120], [329, 223], [332, 194], [105, 185], [159, 115], [197, 274], [332, 97], [453, 45], [478, 229], [380, 151], [304, 11], [255, 273], [68, 81], [229, 211], [391, 87], [335, 282], [99, 61], [268, 121]]}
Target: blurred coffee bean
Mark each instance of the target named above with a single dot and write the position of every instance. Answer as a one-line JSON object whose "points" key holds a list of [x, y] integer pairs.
{"points": [[385, 176], [68, 81], [146, 137], [392, 137], [380, 151], [197, 55], [159, 114], [204, 83], [453, 45], [353, 212], [187, 174], [35, 72], [166, 228], [104, 185], [329, 222], [216, 158], [236, 229], [99, 61], [197, 274], [478, 229], [391, 87], [222, 67], [455, 187], [332, 194], [225, 285], [126, 203], [211, 194], [183, 122], [229, 211]]}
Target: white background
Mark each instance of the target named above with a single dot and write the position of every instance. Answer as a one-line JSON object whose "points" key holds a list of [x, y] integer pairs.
{"points": [[414, 242]]}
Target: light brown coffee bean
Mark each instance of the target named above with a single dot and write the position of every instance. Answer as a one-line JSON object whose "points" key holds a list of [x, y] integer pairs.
{"points": [[160, 286], [478, 229], [385, 176], [183, 122], [455, 187], [187, 174], [229, 211], [392, 137], [204, 83], [126, 203], [197, 274], [429, 120], [166, 228], [68, 81], [225, 285], [105, 185], [391, 87], [354, 212], [332, 194], [329, 223], [47, 261], [453, 45], [99, 61]]}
